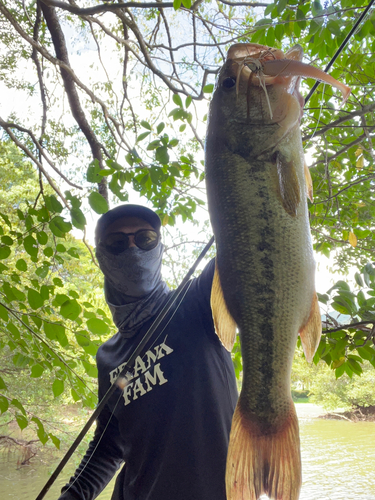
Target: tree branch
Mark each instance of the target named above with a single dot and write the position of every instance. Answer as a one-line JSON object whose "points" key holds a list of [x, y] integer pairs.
{"points": [[35, 160], [106, 7], [6, 125], [342, 119], [58, 40]]}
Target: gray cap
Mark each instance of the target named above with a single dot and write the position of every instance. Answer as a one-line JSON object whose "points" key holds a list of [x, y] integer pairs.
{"points": [[121, 211]]}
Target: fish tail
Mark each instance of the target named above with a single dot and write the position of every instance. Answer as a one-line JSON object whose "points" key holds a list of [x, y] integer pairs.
{"points": [[260, 464]]}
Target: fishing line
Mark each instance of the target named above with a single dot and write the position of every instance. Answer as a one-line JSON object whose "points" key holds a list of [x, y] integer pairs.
{"points": [[320, 114], [99, 441], [128, 379], [341, 48], [128, 365], [121, 394]]}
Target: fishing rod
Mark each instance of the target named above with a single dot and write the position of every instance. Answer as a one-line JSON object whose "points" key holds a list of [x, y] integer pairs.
{"points": [[341, 48], [128, 365]]}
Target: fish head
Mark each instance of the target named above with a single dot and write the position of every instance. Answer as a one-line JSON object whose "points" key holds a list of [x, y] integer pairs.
{"points": [[245, 94]]}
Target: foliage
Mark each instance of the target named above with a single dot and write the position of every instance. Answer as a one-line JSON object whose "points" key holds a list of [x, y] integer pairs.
{"points": [[46, 307], [344, 393], [345, 348], [111, 104]]}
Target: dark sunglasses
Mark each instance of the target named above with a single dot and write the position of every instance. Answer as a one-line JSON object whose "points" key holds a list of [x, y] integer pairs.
{"points": [[145, 239]]}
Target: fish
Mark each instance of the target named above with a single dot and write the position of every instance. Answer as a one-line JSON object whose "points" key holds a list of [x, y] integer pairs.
{"points": [[257, 187]]}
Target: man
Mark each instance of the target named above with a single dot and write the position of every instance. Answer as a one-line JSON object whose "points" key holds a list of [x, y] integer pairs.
{"points": [[169, 424]]}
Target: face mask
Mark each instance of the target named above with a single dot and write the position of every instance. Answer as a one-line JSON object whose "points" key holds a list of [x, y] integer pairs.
{"points": [[134, 272]]}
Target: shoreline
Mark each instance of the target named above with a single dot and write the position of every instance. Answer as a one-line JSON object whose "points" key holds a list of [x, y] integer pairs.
{"points": [[311, 411]]}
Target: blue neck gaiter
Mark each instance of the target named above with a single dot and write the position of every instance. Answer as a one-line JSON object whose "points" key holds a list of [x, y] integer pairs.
{"points": [[134, 289]]}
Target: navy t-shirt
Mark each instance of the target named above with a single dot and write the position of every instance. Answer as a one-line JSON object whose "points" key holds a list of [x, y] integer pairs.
{"points": [[171, 423]]}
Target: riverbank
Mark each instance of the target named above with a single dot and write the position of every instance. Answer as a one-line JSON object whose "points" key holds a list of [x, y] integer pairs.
{"points": [[311, 410], [355, 415]]}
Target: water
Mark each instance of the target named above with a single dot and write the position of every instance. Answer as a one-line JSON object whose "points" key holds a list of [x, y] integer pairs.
{"points": [[338, 459]]}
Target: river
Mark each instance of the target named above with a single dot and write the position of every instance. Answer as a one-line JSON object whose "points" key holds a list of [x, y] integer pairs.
{"points": [[338, 459]]}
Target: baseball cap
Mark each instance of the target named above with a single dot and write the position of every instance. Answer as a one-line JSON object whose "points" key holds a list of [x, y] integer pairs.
{"points": [[129, 210]]}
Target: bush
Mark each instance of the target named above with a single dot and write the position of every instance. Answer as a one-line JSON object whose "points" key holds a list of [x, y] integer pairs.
{"points": [[300, 394]]}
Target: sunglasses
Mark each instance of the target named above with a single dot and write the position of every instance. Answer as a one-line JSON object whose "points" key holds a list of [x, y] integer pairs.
{"points": [[145, 239]]}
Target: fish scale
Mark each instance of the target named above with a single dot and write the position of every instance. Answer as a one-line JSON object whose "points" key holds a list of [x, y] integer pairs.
{"points": [[257, 183]]}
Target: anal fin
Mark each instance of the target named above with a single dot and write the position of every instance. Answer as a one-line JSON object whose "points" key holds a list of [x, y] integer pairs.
{"points": [[225, 325], [311, 331]]}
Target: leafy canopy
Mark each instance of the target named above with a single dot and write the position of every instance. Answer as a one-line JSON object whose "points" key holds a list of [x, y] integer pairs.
{"points": [[111, 103]]}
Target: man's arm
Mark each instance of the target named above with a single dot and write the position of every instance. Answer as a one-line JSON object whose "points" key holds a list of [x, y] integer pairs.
{"points": [[101, 461]]}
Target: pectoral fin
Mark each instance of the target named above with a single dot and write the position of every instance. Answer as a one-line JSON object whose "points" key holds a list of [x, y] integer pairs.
{"points": [[290, 191], [309, 184], [225, 326], [311, 331]]}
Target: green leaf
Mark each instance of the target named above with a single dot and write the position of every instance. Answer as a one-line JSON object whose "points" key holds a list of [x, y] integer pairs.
{"points": [[30, 245], [98, 203], [6, 219], [4, 313], [340, 371], [57, 387], [97, 326], [355, 366], [153, 145], [186, 3], [177, 100], [70, 310], [208, 89], [3, 386], [42, 237], [53, 204], [43, 270], [59, 226], [82, 339], [176, 4], [13, 330], [93, 173], [358, 279], [160, 127], [48, 251], [279, 32], [21, 265], [53, 330], [34, 299], [90, 369], [36, 371], [145, 124], [20, 361], [22, 422], [142, 136], [7, 240], [55, 440], [78, 218], [42, 435], [161, 155], [4, 404], [18, 405], [4, 252]]}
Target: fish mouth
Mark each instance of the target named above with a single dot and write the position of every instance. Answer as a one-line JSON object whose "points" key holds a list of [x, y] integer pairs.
{"points": [[262, 66], [254, 60]]}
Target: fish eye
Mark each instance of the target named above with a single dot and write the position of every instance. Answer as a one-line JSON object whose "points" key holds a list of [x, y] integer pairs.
{"points": [[229, 83]]}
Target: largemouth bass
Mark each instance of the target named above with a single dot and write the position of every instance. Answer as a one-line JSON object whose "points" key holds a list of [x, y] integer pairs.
{"points": [[257, 184]]}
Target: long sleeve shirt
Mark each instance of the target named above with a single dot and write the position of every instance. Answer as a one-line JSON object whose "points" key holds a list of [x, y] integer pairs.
{"points": [[170, 424]]}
